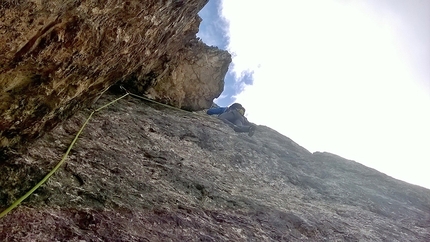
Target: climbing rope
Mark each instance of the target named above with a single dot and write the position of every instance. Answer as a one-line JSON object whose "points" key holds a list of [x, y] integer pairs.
{"points": [[17, 202], [150, 100], [161, 104]]}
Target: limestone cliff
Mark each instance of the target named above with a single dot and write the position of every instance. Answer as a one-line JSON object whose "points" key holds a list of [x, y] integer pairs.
{"points": [[145, 172], [58, 56]]}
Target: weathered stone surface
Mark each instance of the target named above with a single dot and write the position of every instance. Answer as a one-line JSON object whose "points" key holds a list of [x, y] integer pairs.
{"points": [[144, 172], [197, 79], [59, 56]]}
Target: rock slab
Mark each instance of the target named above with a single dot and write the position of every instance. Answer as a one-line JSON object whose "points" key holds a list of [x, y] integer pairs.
{"points": [[145, 172]]}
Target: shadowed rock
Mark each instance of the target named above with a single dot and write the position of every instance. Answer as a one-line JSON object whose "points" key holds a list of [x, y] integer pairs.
{"points": [[57, 57]]}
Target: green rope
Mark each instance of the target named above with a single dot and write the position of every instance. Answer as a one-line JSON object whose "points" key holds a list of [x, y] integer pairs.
{"points": [[162, 104], [17, 202], [150, 100]]}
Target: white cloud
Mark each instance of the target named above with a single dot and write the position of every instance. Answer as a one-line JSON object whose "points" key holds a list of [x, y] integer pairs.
{"points": [[333, 76], [220, 97]]}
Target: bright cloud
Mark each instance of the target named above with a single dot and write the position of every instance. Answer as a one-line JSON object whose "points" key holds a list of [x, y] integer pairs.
{"points": [[336, 76]]}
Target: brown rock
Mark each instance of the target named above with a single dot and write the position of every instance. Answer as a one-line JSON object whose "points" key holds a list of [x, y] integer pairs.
{"points": [[59, 56], [197, 79]]}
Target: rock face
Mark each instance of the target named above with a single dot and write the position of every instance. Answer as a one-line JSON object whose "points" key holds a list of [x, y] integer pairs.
{"points": [[57, 57], [197, 80], [144, 172]]}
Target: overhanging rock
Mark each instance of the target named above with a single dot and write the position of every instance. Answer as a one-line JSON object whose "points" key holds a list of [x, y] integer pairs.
{"points": [[57, 57]]}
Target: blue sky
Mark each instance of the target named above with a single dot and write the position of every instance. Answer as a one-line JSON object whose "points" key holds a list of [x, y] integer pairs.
{"points": [[213, 31], [347, 77]]}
